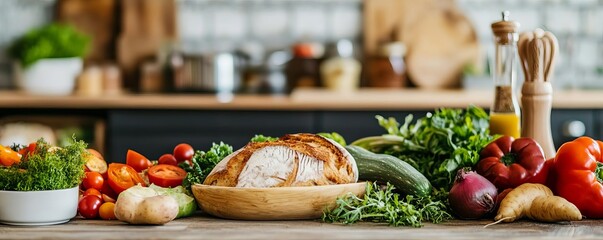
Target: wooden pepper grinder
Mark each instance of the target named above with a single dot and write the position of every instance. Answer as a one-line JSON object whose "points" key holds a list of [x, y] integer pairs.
{"points": [[537, 51]]}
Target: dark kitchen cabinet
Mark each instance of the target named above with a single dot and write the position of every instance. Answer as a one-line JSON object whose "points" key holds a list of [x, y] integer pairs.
{"points": [[353, 125], [155, 132], [568, 124]]}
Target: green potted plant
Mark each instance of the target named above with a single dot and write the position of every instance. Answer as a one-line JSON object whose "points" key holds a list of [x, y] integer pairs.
{"points": [[49, 59]]}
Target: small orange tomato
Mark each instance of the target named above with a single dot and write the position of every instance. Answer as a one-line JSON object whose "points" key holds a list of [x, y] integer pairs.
{"points": [[107, 211], [92, 191], [8, 157]]}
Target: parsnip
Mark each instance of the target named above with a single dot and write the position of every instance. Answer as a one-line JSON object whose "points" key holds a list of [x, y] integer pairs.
{"points": [[536, 202]]}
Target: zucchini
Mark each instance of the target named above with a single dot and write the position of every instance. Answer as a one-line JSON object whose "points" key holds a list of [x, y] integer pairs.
{"points": [[387, 168]]}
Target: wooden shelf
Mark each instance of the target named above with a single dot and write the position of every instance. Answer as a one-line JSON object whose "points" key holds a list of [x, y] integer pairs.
{"points": [[304, 99]]}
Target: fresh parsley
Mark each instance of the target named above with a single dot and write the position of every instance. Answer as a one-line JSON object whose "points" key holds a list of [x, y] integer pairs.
{"points": [[48, 168], [384, 205], [203, 163]]}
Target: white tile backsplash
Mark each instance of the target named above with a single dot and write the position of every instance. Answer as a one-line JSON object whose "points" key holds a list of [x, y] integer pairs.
{"points": [[561, 20], [344, 22], [228, 21], [309, 22], [270, 22]]}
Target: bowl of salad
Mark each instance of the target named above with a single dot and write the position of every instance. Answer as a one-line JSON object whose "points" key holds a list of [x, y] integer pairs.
{"points": [[39, 183]]}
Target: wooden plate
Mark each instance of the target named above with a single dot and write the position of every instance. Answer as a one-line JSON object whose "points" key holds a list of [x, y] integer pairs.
{"points": [[279, 203]]}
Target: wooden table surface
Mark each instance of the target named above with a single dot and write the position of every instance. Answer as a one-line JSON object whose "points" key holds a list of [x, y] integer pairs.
{"points": [[201, 227]]}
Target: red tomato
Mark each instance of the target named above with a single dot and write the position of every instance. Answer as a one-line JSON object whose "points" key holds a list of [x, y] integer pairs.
{"points": [[89, 205], [93, 180], [92, 191], [107, 190], [122, 177], [183, 152], [168, 159], [164, 175], [31, 148], [137, 161]]}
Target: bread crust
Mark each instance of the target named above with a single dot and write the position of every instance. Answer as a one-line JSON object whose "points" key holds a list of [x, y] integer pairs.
{"points": [[338, 168]]}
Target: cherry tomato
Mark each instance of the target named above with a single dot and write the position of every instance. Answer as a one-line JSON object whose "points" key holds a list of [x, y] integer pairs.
{"points": [[107, 211], [137, 161], [164, 175], [122, 177], [168, 159], [92, 191], [89, 206], [8, 157], [183, 152], [107, 190], [93, 180], [30, 149]]}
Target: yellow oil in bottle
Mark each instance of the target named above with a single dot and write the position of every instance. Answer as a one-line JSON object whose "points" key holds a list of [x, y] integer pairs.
{"points": [[505, 124]]}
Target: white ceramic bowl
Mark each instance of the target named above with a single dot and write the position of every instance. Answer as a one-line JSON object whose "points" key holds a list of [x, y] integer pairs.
{"points": [[52, 76], [38, 207]]}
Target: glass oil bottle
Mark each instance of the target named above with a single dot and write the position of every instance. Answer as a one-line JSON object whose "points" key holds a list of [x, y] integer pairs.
{"points": [[505, 112]]}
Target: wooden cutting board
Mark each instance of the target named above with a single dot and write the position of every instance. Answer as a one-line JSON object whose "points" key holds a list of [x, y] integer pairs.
{"points": [[439, 39], [147, 26], [96, 18]]}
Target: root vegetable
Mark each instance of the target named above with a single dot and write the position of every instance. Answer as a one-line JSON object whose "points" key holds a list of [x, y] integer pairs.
{"points": [[141, 205], [536, 202], [553, 209]]}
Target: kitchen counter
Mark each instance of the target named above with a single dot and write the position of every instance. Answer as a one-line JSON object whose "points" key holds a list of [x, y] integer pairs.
{"points": [[201, 227], [304, 99]]}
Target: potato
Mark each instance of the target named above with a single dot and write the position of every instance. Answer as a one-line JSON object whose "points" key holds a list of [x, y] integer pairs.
{"points": [[140, 205]]}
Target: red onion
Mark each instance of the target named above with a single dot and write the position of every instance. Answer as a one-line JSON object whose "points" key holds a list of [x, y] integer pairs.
{"points": [[472, 196]]}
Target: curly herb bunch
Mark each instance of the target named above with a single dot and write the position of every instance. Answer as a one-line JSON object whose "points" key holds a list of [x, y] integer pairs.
{"points": [[384, 205], [48, 168], [203, 163]]}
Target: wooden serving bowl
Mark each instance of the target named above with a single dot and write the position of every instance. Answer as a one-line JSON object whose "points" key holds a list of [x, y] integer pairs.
{"points": [[279, 203]]}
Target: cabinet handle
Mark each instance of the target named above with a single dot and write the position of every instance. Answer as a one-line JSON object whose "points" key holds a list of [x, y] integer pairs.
{"points": [[573, 128]]}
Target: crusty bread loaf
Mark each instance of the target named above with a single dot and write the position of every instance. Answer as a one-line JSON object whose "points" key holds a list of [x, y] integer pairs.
{"points": [[293, 160]]}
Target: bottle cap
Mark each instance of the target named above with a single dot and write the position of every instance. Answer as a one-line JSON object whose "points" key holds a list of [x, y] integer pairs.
{"points": [[505, 28]]}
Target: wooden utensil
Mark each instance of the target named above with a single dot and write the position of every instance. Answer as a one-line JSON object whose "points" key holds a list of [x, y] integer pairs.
{"points": [[278, 203], [440, 40], [98, 19], [537, 52]]}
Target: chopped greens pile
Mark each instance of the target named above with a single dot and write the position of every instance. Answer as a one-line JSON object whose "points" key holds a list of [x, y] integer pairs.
{"points": [[49, 168], [436, 145], [203, 163], [383, 205]]}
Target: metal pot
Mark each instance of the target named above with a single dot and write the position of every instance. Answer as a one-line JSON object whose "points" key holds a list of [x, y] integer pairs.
{"points": [[213, 72]]}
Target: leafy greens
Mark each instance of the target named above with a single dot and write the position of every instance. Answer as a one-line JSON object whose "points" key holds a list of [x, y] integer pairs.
{"points": [[203, 163], [383, 205], [49, 168], [436, 145]]}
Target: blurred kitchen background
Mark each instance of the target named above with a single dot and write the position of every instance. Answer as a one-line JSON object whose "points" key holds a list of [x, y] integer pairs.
{"points": [[261, 47], [262, 44]]}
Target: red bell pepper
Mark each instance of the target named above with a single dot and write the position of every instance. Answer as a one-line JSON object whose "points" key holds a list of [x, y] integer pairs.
{"points": [[578, 171], [509, 162]]}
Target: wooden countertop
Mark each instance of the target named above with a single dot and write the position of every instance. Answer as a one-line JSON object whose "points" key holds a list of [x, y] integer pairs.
{"points": [[305, 99], [200, 227]]}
